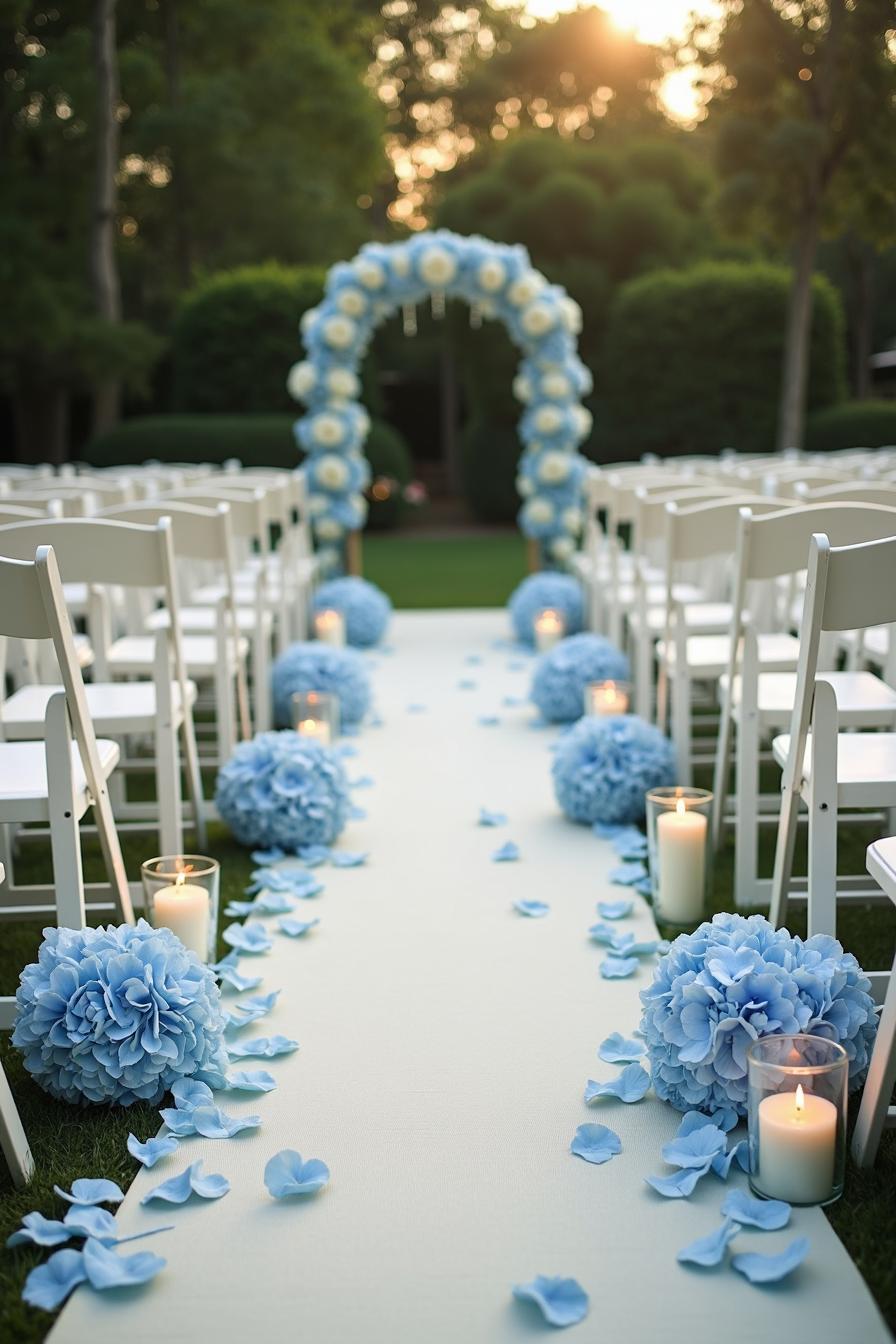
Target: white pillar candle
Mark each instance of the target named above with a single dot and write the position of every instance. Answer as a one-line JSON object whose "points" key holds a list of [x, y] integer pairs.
{"points": [[329, 627], [605, 697], [315, 728], [681, 854], [183, 907], [797, 1146], [548, 628]]}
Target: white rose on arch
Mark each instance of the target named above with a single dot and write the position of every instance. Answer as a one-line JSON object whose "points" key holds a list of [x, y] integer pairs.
{"points": [[400, 262], [317, 504], [307, 320], [583, 420], [522, 388], [362, 420], [328, 556], [370, 273], [571, 315], [554, 467], [548, 420], [339, 331], [343, 384], [491, 275], [301, 379], [328, 529], [540, 512], [571, 519], [561, 548], [538, 318], [437, 266], [524, 487], [526, 288], [351, 301], [327, 429], [331, 472], [556, 386]]}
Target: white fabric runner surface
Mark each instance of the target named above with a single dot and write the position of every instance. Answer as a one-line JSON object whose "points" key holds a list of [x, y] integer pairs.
{"points": [[445, 1045]]}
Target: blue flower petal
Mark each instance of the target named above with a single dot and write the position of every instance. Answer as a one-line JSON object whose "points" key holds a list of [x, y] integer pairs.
{"points": [[180, 1123], [213, 1123], [467, 684], [88, 1220], [248, 938], [630, 843], [287, 1173], [271, 903], [618, 968], [188, 1093], [39, 1231], [627, 874], [263, 1047], [603, 934], [696, 1149], [89, 1191], [617, 1049], [105, 1269], [767, 1214], [178, 1189], [153, 1150], [534, 909], [630, 1085], [615, 909], [709, 1250], [314, 855], [251, 1080], [739, 1152], [263, 857], [562, 1302], [362, 782], [416, 708], [595, 1143], [49, 1284], [772, 1268], [680, 1185], [231, 976], [296, 928], [346, 858], [507, 853]]}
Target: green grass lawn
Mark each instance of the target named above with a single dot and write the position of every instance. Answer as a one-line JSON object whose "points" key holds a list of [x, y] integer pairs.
{"points": [[478, 571]]}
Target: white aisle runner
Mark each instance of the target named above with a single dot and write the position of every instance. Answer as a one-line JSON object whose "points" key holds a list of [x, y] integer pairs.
{"points": [[445, 1044]]}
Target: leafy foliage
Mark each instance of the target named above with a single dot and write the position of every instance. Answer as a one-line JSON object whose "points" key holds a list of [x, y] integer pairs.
{"points": [[852, 424]]}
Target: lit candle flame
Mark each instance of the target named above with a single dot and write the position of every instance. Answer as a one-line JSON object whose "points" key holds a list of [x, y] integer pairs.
{"points": [[799, 1101], [681, 807], [180, 872]]}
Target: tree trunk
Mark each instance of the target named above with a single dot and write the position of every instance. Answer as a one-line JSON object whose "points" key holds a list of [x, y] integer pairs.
{"points": [[863, 320], [180, 196], [103, 261], [40, 417], [795, 371]]}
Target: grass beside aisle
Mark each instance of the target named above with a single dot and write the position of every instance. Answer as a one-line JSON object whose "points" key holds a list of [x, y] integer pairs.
{"points": [[465, 571]]}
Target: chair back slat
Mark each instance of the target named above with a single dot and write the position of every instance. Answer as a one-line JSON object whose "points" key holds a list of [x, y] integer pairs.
{"points": [[861, 586], [92, 550], [778, 543], [22, 614]]}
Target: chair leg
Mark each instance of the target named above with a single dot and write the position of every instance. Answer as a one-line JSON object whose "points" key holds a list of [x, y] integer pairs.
{"points": [[224, 722], [261, 679], [681, 722], [643, 679], [194, 777], [879, 1085], [786, 842], [168, 789], [746, 825], [821, 799], [65, 837], [12, 1137]]}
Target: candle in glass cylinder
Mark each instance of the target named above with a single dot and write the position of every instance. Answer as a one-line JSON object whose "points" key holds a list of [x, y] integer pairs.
{"points": [[797, 1146], [548, 629], [681, 854], [606, 698], [318, 729], [183, 907], [329, 627]]}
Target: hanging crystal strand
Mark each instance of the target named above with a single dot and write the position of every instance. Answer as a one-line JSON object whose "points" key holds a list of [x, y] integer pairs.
{"points": [[437, 304], [475, 316], [409, 319]]}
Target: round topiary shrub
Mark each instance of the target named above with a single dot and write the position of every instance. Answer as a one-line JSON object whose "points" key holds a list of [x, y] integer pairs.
{"points": [[365, 607], [539, 591], [320, 667], [603, 767], [558, 686], [283, 790]]}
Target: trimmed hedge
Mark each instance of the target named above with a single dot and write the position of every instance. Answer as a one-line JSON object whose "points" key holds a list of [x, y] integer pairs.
{"points": [[388, 455], [490, 453], [852, 424], [237, 334], [693, 359]]}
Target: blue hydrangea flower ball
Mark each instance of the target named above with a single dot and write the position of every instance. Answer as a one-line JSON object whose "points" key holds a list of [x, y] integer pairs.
{"points": [[603, 767], [118, 1015], [365, 607], [539, 591], [734, 980], [561, 675], [283, 790], [321, 667]]}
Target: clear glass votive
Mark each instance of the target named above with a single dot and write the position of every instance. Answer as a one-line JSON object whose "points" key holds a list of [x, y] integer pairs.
{"points": [[680, 852], [797, 1118], [606, 698], [181, 892], [329, 627], [548, 628], [315, 714]]}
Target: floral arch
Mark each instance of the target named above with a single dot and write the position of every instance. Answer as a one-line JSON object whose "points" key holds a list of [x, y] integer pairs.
{"points": [[499, 282]]}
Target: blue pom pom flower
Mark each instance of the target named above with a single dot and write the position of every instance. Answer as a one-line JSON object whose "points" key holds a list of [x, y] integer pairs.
{"points": [[603, 767], [320, 667], [118, 1015], [283, 789], [698, 1020], [558, 686], [539, 591], [366, 608]]}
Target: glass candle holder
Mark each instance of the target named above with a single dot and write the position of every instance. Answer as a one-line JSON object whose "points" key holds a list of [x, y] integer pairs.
{"points": [[797, 1118], [329, 627], [607, 698], [548, 628], [315, 714], [181, 892], [680, 852]]}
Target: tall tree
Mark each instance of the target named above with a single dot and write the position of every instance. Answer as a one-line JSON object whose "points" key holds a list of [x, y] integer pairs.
{"points": [[803, 106], [103, 222]]}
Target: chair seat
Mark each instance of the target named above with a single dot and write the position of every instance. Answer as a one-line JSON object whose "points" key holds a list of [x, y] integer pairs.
{"points": [[243, 592], [881, 862], [135, 654], [114, 706], [707, 655], [866, 767], [656, 593], [202, 620], [707, 618], [24, 794], [875, 643], [863, 700], [83, 651]]}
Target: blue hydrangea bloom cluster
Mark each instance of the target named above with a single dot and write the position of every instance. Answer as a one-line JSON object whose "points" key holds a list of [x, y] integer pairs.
{"points": [[604, 766], [561, 675], [366, 608], [735, 980], [500, 283], [538, 591], [283, 790], [118, 1015], [313, 666]]}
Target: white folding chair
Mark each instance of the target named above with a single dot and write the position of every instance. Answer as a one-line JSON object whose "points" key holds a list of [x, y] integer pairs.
{"points": [[849, 587], [97, 552], [875, 1111], [760, 702], [12, 1133]]}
